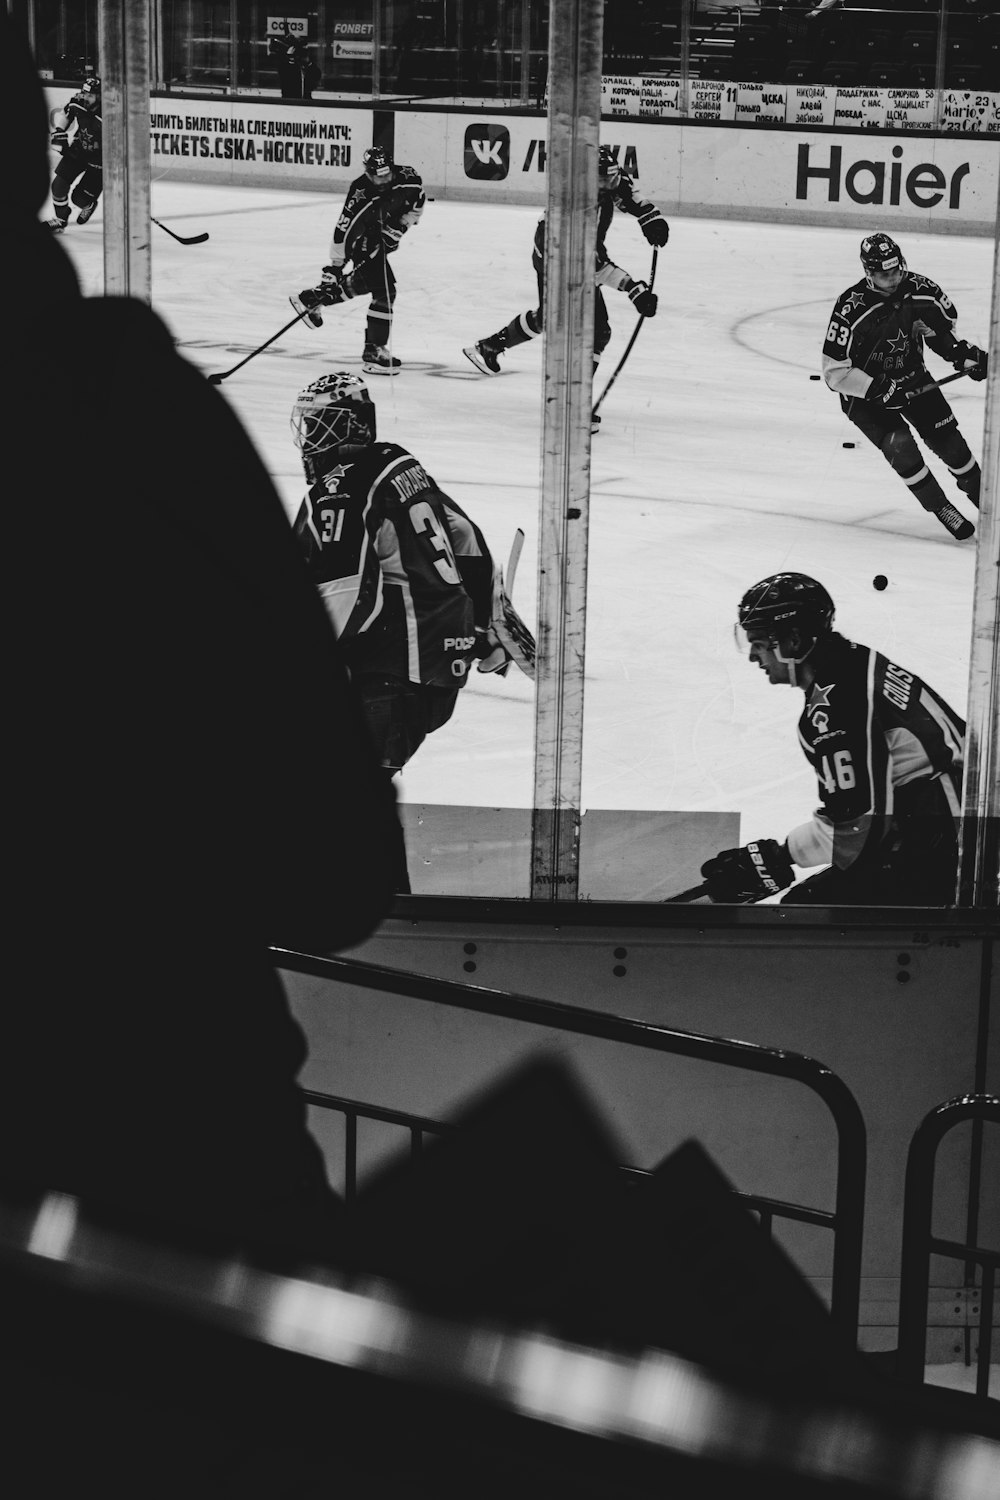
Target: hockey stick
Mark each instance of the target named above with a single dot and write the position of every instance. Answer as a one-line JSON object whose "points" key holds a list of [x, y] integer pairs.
{"points": [[628, 346], [194, 239], [689, 895], [933, 384], [225, 374], [513, 559]]}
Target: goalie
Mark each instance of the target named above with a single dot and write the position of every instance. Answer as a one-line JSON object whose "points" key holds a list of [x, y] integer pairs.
{"points": [[406, 577]]}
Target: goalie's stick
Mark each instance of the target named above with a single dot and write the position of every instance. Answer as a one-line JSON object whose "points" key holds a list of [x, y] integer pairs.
{"points": [[193, 239], [507, 581], [225, 374], [628, 346], [513, 559]]}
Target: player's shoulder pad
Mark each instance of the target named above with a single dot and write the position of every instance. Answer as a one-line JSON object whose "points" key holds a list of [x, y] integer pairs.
{"points": [[407, 177], [926, 290]]}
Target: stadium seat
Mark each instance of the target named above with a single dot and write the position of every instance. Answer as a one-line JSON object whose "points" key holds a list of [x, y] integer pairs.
{"points": [[841, 74], [964, 76], [886, 76], [800, 70]]}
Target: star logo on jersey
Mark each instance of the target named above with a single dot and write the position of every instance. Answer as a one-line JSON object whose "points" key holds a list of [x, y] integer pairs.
{"points": [[820, 699], [332, 478], [898, 344], [856, 299]]}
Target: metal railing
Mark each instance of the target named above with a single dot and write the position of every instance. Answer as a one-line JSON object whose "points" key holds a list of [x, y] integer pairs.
{"points": [[919, 1243], [845, 1221]]}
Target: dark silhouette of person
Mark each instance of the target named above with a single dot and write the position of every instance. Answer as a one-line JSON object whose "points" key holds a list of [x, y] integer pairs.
{"points": [[191, 782], [298, 75]]}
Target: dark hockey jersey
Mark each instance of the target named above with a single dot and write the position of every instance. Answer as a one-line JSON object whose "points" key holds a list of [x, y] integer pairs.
{"points": [[869, 334], [405, 575], [620, 195], [86, 140], [374, 217], [875, 735]]}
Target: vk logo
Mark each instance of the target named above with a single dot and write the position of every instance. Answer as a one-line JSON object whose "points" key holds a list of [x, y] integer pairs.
{"points": [[487, 152]]}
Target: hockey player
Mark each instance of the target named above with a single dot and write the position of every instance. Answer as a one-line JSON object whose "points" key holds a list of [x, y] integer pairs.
{"points": [[887, 751], [381, 205], [614, 190], [77, 135], [405, 575], [873, 358]]}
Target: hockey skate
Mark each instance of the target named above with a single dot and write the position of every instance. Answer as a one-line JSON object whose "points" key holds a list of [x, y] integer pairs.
{"points": [[87, 212], [595, 422], [377, 360], [307, 305], [485, 356], [56, 225], [952, 520]]}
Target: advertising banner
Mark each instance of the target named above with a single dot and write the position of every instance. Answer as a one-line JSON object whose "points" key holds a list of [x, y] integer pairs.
{"points": [[940, 182], [261, 145], [801, 104]]}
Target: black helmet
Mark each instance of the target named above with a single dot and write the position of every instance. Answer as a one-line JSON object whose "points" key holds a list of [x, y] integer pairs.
{"points": [[608, 170], [785, 602], [378, 165], [880, 253]]}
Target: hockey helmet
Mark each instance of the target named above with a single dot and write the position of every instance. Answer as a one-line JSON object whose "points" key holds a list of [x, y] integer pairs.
{"points": [[608, 170], [783, 605], [333, 412], [883, 262], [378, 166]]}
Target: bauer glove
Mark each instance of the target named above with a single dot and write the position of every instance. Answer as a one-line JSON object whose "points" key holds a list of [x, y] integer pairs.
{"points": [[896, 391], [655, 227], [645, 300], [970, 360], [60, 138], [749, 874]]}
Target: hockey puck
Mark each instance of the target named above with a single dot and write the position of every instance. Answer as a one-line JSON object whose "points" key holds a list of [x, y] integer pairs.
{"points": [[847, 445], [880, 582], [813, 377]]}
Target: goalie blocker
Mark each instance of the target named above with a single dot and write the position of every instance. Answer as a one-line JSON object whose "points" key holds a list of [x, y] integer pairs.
{"points": [[507, 638]]}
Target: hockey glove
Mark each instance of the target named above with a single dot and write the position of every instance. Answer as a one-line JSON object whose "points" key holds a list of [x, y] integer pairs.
{"points": [[896, 391], [655, 227], [60, 138], [749, 874], [645, 300], [972, 361], [331, 287], [492, 653]]}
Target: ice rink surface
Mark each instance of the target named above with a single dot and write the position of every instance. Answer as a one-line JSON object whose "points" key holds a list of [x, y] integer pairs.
{"points": [[719, 461]]}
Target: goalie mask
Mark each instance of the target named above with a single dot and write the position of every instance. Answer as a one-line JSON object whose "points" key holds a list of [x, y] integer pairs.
{"points": [[332, 413], [782, 606], [378, 166], [883, 263]]}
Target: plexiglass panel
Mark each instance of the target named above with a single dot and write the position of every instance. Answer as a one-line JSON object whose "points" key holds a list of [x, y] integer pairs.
{"points": [[722, 456]]}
